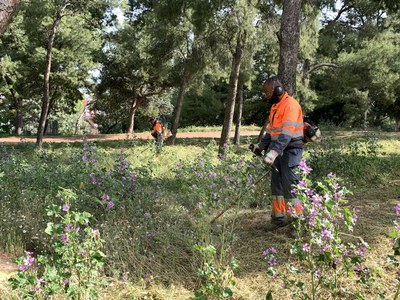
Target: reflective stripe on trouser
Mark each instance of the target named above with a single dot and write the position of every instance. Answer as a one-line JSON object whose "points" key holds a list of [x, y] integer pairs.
{"points": [[282, 182], [278, 206], [296, 204]]}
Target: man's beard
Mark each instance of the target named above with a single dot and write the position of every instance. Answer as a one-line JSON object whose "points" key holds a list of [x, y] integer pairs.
{"points": [[274, 99]]}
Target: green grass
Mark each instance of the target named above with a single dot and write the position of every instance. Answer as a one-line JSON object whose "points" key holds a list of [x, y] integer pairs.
{"points": [[369, 164]]}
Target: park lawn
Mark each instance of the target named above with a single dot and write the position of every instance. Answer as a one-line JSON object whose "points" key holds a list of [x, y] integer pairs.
{"points": [[373, 178]]}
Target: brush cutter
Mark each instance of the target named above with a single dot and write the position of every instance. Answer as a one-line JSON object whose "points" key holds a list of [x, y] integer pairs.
{"points": [[234, 202]]}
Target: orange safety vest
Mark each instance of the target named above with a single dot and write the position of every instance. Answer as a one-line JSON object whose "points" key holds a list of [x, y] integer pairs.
{"points": [[157, 127], [286, 117]]}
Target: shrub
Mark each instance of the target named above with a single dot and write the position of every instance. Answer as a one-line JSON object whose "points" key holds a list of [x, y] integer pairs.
{"points": [[75, 265], [323, 254]]}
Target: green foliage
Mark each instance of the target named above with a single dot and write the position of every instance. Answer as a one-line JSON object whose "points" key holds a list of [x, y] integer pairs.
{"points": [[357, 160], [153, 222], [215, 280], [366, 52], [207, 108], [75, 265], [319, 246], [214, 182], [394, 259], [24, 44]]}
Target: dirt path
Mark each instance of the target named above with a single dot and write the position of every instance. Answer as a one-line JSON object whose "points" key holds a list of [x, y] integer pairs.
{"points": [[7, 267], [114, 137]]}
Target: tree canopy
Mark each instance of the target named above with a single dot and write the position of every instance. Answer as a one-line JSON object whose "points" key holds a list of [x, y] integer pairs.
{"points": [[181, 61]]}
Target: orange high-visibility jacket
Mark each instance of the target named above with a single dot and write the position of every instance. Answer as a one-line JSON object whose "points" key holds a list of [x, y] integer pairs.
{"points": [[157, 127], [285, 127]]}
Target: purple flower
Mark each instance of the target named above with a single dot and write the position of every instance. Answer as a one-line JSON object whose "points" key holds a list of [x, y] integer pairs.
{"points": [[93, 178], [28, 262], [304, 168], [105, 197], [362, 248], [397, 209], [316, 200], [133, 177], [324, 248], [327, 235], [110, 204], [302, 183], [23, 268], [358, 268], [271, 250], [65, 207], [338, 195], [64, 238], [272, 262], [68, 227], [309, 192], [306, 247], [292, 212]]}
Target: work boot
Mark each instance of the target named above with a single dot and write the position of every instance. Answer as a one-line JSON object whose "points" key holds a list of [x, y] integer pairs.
{"points": [[277, 223]]}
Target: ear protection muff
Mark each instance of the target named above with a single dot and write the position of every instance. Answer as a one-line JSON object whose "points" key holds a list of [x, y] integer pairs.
{"points": [[278, 88], [278, 91]]}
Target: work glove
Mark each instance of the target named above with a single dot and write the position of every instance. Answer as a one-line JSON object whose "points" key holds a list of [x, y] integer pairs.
{"points": [[255, 149], [270, 157]]}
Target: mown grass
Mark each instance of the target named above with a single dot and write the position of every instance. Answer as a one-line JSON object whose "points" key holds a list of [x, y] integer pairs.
{"points": [[164, 266]]}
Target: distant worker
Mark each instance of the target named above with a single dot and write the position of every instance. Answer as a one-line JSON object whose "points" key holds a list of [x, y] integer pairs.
{"points": [[157, 131], [88, 115], [283, 144]]}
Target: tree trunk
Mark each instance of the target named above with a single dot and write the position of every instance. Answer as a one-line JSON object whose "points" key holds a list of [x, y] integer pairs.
{"points": [[132, 111], [289, 35], [365, 119], [46, 85], [19, 119], [236, 139], [230, 103], [7, 8], [179, 104], [46, 124], [18, 109]]}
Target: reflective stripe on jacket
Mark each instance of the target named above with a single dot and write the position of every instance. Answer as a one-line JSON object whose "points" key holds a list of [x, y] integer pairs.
{"points": [[285, 127]]}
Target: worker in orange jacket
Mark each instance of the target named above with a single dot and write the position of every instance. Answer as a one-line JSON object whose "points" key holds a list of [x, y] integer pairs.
{"points": [[283, 145], [157, 131]]}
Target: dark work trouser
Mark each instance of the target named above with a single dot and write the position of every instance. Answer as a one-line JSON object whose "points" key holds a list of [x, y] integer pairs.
{"points": [[158, 138], [282, 184]]}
